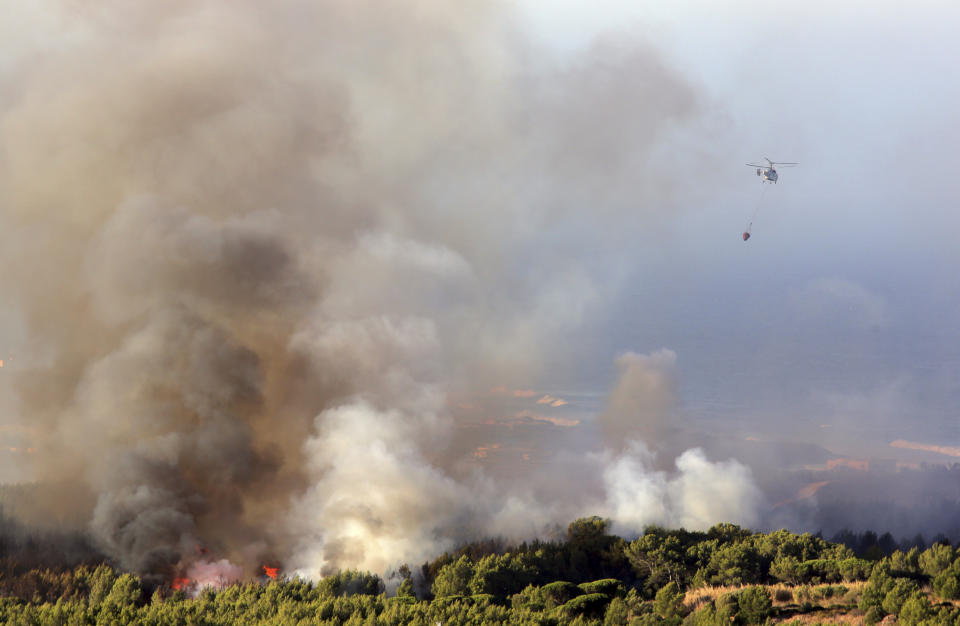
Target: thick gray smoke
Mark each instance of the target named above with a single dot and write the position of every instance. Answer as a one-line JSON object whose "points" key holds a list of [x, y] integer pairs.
{"points": [[258, 246]]}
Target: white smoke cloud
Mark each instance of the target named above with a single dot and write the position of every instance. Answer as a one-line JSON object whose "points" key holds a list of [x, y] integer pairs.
{"points": [[698, 495], [375, 501]]}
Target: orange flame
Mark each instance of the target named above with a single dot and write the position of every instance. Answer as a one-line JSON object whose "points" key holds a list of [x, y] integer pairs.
{"points": [[270, 571], [180, 583]]}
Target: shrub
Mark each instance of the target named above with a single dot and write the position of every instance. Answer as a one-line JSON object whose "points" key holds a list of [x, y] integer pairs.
{"points": [[876, 589], [755, 605], [916, 609], [782, 594], [590, 605], [531, 598], [947, 583], [852, 596], [706, 616], [874, 615], [855, 569], [901, 591], [559, 592], [668, 603], [608, 586], [728, 605], [936, 559], [828, 591], [786, 569], [617, 613], [803, 594], [820, 571]]}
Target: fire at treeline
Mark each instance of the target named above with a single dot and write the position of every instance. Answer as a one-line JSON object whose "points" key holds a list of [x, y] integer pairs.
{"points": [[585, 575]]}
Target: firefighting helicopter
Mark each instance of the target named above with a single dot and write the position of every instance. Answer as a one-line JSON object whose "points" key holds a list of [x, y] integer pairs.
{"points": [[769, 171]]}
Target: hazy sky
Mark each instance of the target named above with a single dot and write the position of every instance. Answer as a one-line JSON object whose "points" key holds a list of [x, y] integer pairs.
{"points": [[842, 308]]}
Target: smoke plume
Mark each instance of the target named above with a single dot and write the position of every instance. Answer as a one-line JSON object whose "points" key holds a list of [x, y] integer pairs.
{"points": [[257, 248], [643, 401], [698, 495]]}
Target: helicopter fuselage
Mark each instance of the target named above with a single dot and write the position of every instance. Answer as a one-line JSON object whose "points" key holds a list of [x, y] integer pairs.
{"points": [[768, 173]]}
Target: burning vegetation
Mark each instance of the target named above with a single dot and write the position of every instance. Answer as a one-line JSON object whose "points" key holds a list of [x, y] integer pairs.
{"points": [[586, 575]]}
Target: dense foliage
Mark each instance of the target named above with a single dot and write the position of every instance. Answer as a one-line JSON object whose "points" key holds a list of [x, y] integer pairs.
{"points": [[587, 577]]}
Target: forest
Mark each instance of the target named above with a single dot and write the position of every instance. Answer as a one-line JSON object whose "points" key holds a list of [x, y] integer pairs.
{"points": [[588, 576]]}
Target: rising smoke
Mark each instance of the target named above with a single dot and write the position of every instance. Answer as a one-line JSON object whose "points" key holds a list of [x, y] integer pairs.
{"points": [[257, 247]]}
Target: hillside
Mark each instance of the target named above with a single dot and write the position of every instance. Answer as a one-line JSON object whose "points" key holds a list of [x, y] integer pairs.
{"points": [[724, 575]]}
